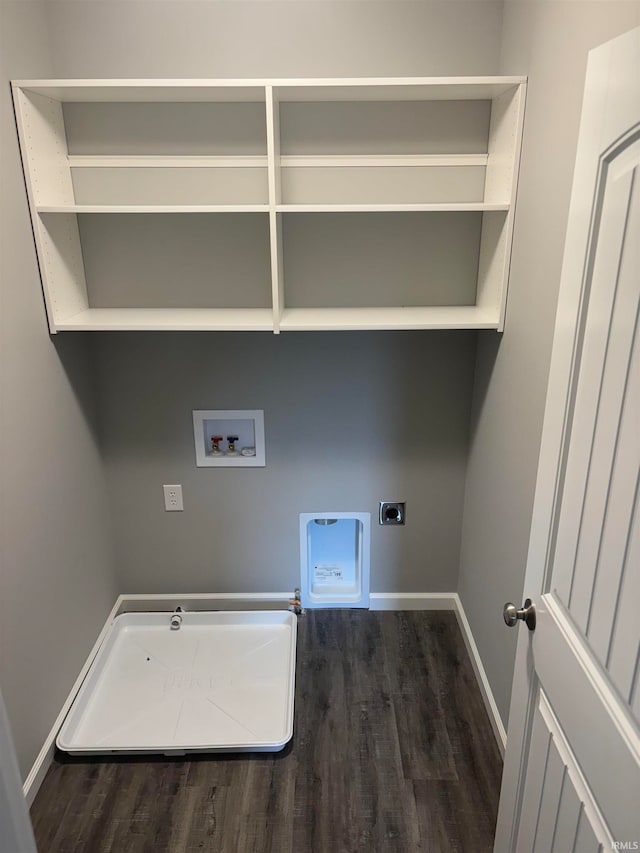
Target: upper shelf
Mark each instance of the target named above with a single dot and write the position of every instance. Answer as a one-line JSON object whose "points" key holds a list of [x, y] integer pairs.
{"points": [[290, 161], [317, 89], [152, 208], [322, 182], [378, 207]]}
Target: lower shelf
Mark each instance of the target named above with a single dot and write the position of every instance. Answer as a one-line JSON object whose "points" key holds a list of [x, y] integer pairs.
{"points": [[293, 319], [222, 682], [168, 319], [345, 319]]}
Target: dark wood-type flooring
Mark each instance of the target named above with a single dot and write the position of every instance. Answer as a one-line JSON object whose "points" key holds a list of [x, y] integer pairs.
{"points": [[392, 751]]}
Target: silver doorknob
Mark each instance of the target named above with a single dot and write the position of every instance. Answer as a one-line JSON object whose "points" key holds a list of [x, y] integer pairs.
{"points": [[527, 613]]}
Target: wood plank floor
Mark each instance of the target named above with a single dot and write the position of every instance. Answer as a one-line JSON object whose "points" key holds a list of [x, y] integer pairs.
{"points": [[392, 751]]}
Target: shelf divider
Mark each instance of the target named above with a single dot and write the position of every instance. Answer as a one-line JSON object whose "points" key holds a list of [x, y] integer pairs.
{"points": [[275, 197]]}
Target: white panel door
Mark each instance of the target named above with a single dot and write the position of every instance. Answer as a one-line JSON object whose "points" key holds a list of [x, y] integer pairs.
{"points": [[572, 769]]}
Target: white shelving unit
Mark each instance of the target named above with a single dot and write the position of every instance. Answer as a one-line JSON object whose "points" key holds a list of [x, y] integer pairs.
{"points": [[272, 205]]}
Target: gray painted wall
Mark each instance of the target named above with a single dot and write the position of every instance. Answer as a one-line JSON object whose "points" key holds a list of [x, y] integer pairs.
{"points": [[548, 41], [271, 38], [56, 580], [350, 419]]}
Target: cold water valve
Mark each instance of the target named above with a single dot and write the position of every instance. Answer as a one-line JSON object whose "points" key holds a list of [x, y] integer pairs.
{"points": [[231, 442]]}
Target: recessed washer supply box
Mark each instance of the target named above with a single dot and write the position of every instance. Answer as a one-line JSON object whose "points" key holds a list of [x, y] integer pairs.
{"points": [[245, 425]]}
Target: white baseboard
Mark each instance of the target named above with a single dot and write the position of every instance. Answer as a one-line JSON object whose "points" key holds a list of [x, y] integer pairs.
{"points": [[45, 756], [412, 601], [481, 677], [266, 600]]}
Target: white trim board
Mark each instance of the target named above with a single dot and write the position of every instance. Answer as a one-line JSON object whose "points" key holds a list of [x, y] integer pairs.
{"points": [[45, 756], [412, 601], [266, 600], [481, 676]]}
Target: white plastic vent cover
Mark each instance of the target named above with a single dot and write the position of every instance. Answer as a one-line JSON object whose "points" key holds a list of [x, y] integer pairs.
{"points": [[334, 559]]}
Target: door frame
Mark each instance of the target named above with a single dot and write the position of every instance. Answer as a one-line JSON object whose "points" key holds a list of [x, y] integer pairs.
{"points": [[17, 833], [567, 341]]}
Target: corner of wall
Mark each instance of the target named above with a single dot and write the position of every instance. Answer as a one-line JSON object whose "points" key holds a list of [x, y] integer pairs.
{"points": [[57, 567]]}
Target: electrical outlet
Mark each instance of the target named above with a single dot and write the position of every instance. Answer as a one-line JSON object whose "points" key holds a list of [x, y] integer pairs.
{"points": [[173, 498]]}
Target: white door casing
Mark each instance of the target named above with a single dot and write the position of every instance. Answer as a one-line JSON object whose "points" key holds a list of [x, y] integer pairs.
{"points": [[572, 767], [16, 834]]}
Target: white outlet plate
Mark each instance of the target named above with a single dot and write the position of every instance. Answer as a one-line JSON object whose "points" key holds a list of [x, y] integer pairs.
{"points": [[173, 498]]}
